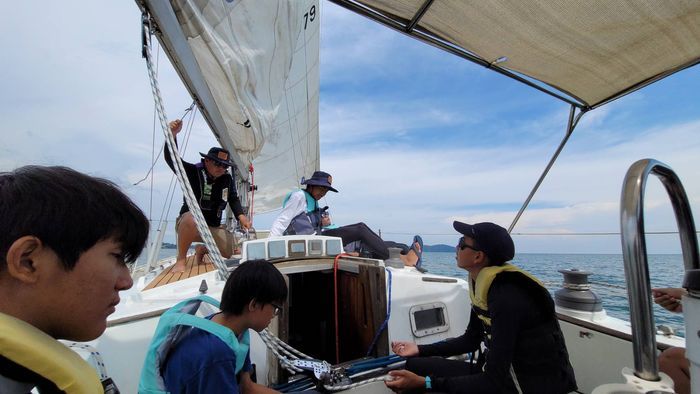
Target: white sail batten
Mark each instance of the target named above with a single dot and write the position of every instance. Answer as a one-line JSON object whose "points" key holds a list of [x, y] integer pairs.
{"points": [[260, 71]]}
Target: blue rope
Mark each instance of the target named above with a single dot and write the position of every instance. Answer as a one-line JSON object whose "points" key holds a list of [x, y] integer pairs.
{"points": [[372, 364], [386, 321], [360, 366]]}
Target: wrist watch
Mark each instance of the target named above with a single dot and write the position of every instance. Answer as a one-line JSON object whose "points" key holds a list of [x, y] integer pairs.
{"points": [[428, 383]]}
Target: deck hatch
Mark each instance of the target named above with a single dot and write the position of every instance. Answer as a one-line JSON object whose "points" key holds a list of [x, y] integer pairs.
{"points": [[428, 319]]}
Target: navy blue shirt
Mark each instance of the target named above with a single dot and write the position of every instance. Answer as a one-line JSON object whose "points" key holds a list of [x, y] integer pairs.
{"points": [[202, 363]]}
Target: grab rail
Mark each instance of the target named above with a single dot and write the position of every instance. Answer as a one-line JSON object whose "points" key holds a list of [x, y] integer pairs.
{"points": [[635, 255]]}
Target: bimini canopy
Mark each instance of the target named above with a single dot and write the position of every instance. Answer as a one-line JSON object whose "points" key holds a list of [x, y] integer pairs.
{"points": [[585, 53]]}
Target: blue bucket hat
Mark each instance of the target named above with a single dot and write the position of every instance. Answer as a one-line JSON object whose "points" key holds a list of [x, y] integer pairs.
{"points": [[320, 178]]}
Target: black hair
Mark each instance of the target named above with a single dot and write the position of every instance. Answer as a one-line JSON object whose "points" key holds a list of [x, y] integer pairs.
{"points": [[257, 280], [69, 212]]}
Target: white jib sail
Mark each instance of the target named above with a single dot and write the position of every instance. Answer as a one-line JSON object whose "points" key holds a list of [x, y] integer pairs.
{"points": [[260, 61]]}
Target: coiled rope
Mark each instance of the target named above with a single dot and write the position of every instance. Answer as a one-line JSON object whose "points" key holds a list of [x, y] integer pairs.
{"points": [[286, 354]]}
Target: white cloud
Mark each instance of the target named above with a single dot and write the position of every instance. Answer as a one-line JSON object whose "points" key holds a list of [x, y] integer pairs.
{"points": [[411, 189]]}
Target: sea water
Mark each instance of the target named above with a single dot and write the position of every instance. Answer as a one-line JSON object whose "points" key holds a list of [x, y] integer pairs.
{"points": [[608, 277]]}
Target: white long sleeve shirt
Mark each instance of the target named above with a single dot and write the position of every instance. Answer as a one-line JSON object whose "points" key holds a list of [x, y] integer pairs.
{"points": [[295, 205]]}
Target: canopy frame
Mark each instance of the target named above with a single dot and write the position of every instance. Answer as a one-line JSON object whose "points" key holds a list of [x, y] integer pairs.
{"points": [[578, 107]]}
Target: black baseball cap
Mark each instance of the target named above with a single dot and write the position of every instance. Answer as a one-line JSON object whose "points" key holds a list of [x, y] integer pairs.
{"points": [[491, 238]]}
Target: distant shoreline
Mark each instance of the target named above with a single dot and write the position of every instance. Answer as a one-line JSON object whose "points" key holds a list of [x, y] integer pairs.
{"points": [[442, 248]]}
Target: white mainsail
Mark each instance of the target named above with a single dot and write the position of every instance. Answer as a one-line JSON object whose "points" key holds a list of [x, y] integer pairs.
{"points": [[252, 65]]}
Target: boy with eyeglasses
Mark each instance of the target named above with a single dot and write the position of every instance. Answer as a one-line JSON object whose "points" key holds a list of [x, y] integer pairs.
{"points": [[512, 314], [190, 355], [213, 188]]}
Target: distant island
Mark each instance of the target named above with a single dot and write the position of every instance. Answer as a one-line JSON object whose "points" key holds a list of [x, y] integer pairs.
{"points": [[167, 245], [439, 248]]}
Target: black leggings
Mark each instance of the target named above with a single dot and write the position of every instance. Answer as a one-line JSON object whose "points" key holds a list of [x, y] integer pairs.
{"points": [[438, 366], [370, 240]]}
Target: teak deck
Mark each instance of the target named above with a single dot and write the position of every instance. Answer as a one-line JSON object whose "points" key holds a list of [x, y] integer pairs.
{"points": [[191, 269]]}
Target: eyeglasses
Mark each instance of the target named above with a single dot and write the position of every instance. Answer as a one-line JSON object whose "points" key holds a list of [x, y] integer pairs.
{"points": [[222, 165], [278, 309], [462, 245]]}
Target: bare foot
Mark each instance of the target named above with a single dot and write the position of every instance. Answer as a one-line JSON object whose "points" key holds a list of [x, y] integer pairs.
{"points": [[179, 266], [410, 259], [199, 252], [354, 254]]}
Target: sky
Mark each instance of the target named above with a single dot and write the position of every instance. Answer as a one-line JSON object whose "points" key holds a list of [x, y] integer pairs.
{"points": [[415, 138]]}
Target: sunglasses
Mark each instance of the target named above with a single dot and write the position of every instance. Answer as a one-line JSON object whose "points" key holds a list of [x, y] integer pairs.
{"points": [[462, 245], [222, 165], [278, 309]]}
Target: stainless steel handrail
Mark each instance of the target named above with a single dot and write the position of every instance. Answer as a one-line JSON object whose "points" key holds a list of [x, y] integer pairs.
{"points": [[634, 252]]}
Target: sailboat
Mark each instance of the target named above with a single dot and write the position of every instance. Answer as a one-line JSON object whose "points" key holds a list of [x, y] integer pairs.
{"points": [[253, 69], [198, 38]]}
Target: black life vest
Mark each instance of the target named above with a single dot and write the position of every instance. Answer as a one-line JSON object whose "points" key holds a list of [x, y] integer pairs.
{"points": [[540, 359]]}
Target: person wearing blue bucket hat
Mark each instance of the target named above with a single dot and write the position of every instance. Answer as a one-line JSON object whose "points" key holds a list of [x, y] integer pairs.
{"points": [[320, 178], [301, 214], [512, 315]]}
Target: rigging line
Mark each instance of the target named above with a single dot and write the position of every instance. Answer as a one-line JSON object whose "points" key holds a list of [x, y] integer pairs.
{"points": [[205, 233], [602, 233], [153, 144], [171, 188], [153, 141]]}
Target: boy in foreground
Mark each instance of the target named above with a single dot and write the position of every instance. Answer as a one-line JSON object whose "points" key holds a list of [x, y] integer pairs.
{"points": [[65, 240]]}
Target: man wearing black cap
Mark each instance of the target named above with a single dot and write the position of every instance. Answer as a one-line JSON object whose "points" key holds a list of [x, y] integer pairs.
{"points": [[213, 187], [301, 215], [512, 313]]}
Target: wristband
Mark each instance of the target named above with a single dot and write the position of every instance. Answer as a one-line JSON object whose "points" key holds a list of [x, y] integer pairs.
{"points": [[428, 383]]}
